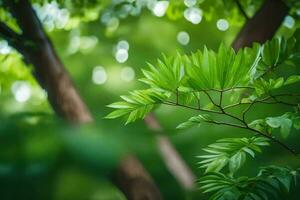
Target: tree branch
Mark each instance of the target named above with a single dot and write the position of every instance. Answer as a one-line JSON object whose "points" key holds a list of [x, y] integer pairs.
{"points": [[263, 24], [240, 7], [130, 176], [258, 132], [242, 120], [192, 108], [173, 161]]}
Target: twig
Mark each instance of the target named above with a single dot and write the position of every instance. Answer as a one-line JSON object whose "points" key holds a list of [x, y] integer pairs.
{"points": [[258, 132], [221, 98], [177, 96], [198, 100], [224, 90], [282, 102], [274, 140], [243, 121], [210, 98], [192, 108], [226, 124], [241, 9]]}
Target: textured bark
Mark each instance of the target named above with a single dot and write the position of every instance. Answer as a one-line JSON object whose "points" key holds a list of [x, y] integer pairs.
{"points": [[263, 25], [38, 50], [48, 69], [134, 182]]}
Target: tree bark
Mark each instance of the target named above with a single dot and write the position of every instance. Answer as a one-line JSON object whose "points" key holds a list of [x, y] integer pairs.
{"points": [[134, 182], [263, 25], [38, 50], [172, 159]]}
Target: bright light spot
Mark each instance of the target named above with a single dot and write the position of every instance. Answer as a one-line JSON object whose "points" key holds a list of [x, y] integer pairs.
{"points": [[298, 11], [52, 15], [193, 15], [121, 55], [160, 7], [123, 44], [136, 10], [105, 17], [88, 42], [190, 3], [127, 74], [99, 75], [183, 38], [4, 48], [74, 44], [222, 24], [21, 91], [113, 23], [289, 22], [62, 18]]}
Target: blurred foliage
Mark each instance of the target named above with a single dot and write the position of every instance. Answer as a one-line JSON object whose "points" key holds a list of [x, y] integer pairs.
{"points": [[44, 158]]}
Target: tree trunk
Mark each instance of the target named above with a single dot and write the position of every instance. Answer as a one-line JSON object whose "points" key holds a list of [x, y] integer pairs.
{"points": [[172, 159], [134, 182], [263, 25], [37, 50]]}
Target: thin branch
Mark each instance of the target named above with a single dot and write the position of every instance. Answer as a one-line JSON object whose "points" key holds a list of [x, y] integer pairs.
{"points": [[177, 96], [272, 138], [258, 132], [238, 87], [234, 117], [224, 90], [240, 7], [198, 100], [192, 108], [210, 98], [244, 126], [246, 110], [282, 102], [226, 124], [221, 99], [263, 101]]}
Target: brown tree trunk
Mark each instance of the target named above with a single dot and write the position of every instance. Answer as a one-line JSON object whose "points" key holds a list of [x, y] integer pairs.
{"points": [[37, 50], [263, 25], [134, 182], [172, 159]]}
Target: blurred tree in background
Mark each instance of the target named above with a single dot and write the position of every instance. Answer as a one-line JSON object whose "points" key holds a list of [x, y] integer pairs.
{"points": [[56, 144]]}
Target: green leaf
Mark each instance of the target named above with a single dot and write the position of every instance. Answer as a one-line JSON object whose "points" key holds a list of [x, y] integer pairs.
{"points": [[292, 79], [195, 120], [230, 151], [117, 113], [224, 69], [278, 83], [236, 161], [296, 123], [166, 75], [283, 122], [274, 122], [137, 104], [271, 52], [266, 185]]}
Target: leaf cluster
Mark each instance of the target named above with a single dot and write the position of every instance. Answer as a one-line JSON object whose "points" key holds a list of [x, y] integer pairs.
{"points": [[231, 152], [268, 184]]}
